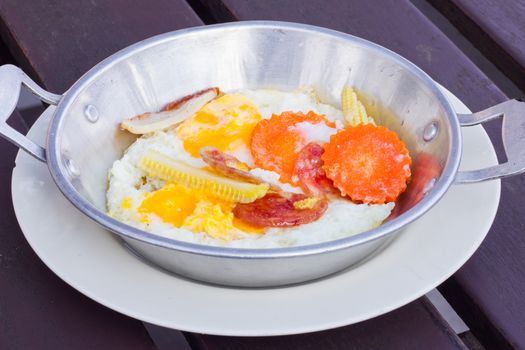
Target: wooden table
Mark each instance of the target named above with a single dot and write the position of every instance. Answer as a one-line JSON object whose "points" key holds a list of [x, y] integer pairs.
{"points": [[56, 41]]}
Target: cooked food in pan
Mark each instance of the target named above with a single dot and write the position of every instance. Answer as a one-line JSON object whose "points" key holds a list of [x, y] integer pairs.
{"points": [[258, 169]]}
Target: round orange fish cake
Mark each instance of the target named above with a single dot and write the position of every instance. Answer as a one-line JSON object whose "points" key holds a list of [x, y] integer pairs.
{"points": [[275, 145], [368, 163]]}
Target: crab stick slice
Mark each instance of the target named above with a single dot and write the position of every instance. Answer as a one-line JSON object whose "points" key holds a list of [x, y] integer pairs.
{"points": [[367, 163]]}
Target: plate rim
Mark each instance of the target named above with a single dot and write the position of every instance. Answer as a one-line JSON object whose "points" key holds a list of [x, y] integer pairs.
{"points": [[289, 330]]}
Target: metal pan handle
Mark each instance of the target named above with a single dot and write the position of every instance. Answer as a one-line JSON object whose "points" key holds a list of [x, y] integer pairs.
{"points": [[513, 133], [11, 80]]}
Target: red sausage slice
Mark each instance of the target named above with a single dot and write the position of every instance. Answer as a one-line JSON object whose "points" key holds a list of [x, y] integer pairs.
{"points": [[309, 172], [278, 210]]}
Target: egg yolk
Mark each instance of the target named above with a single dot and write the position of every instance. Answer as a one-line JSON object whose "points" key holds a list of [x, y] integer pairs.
{"points": [[225, 123], [126, 203], [172, 203], [210, 217], [195, 211]]}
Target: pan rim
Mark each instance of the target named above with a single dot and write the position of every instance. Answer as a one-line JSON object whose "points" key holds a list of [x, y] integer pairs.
{"points": [[56, 168]]}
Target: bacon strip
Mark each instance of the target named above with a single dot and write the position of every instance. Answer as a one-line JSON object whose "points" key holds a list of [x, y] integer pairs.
{"points": [[172, 114], [214, 91], [230, 166], [278, 210]]}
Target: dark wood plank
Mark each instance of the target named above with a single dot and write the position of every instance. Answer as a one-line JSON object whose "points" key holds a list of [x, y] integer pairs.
{"points": [[397, 25], [37, 309], [167, 339], [425, 50], [415, 326], [57, 41], [489, 290], [495, 27]]}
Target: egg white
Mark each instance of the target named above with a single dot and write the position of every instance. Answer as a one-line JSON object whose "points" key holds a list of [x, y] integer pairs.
{"points": [[128, 183]]}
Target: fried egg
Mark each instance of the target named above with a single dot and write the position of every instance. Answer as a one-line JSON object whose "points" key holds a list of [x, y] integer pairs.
{"points": [[226, 123]]}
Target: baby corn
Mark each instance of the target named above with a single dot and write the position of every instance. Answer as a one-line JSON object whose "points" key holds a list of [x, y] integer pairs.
{"points": [[353, 110], [168, 169]]}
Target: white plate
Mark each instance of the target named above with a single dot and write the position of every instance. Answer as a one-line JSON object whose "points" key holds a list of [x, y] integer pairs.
{"points": [[94, 262]]}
